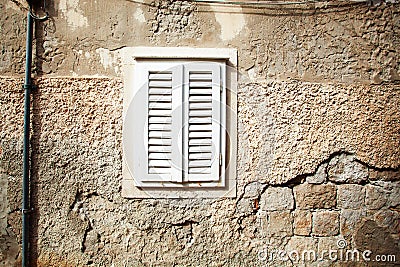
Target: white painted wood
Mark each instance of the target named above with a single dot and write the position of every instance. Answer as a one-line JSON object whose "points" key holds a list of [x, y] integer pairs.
{"points": [[202, 87], [158, 166], [177, 122], [131, 54], [133, 60], [182, 135]]}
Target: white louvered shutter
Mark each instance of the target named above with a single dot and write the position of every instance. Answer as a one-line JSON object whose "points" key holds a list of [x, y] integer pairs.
{"points": [[162, 159], [202, 132], [179, 121]]}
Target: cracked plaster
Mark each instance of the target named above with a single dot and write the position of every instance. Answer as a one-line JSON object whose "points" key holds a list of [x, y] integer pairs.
{"points": [[77, 135]]}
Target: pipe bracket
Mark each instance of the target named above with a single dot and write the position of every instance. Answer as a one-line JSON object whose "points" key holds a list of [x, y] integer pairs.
{"points": [[27, 211], [29, 86]]}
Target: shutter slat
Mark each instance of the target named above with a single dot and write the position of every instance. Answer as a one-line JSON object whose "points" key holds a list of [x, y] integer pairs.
{"points": [[159, 98], [200, 134], [206, 105], [159, 91], [201, 91], [160, 134], [159, 141], [159, 84], [200, 121], [200, 163], [201, 76], [159, 163], [200, 170], [153, 170], [200, 84], [199, 156], [159, 156], [200, 98], [160, 127], [160, 76], [159, 112], [200, 127], [201, 113], [203, 148], [159, 148], [159, 105], [199, 142], [163, 120]]}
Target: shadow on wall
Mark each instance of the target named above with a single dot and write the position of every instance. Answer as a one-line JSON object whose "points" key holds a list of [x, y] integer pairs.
{"points": [[379, 240], [265, 9], [34, 178]]}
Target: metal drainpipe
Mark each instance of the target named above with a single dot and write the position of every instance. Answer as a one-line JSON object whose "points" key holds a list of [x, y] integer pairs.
{"points": [[27, 111], [27, 114]]}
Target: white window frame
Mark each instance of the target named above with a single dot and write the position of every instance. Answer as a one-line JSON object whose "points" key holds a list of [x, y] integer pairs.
{"points": [[138, 59]]}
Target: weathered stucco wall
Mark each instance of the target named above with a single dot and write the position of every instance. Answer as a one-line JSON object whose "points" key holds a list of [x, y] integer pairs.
{"points": [[318, 135], [336, 43]]}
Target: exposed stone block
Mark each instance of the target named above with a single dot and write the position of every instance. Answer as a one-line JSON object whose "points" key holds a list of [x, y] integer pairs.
{"points": [[325, 223], [302, 222], [246, 205], [375, 197], [308, 196], [302, 245], [394, 197], [319, 177], [277, 198], [326, 244], [345, 169], [349, 221], [350, 196], [384, 175], [280, 223], [388, 219], [253, 190]]}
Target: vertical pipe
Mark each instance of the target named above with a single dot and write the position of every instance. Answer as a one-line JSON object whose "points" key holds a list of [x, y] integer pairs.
{"points": [[25, 180]]}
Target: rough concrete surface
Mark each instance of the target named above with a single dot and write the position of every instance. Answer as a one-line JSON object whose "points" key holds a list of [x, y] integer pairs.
{"points": [[81, 218], [318, 136]]}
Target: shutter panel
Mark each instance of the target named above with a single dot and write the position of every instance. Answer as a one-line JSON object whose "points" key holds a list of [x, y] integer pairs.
{"points": [[203, 128], [161, 133], [179, 119], [159, 123]]}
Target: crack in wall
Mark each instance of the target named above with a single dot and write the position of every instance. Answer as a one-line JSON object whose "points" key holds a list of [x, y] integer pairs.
{"points": [[338, 222], [85, 234], [299, 179]]}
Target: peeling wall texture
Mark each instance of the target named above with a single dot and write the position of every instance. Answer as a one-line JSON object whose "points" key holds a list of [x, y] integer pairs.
{"points": [[318, 164]]}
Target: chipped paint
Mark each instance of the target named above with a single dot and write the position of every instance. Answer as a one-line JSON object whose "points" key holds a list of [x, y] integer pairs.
{"points": [[109, 59], [73, 14], [87, 55], [139, 15], [225, 17]]}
